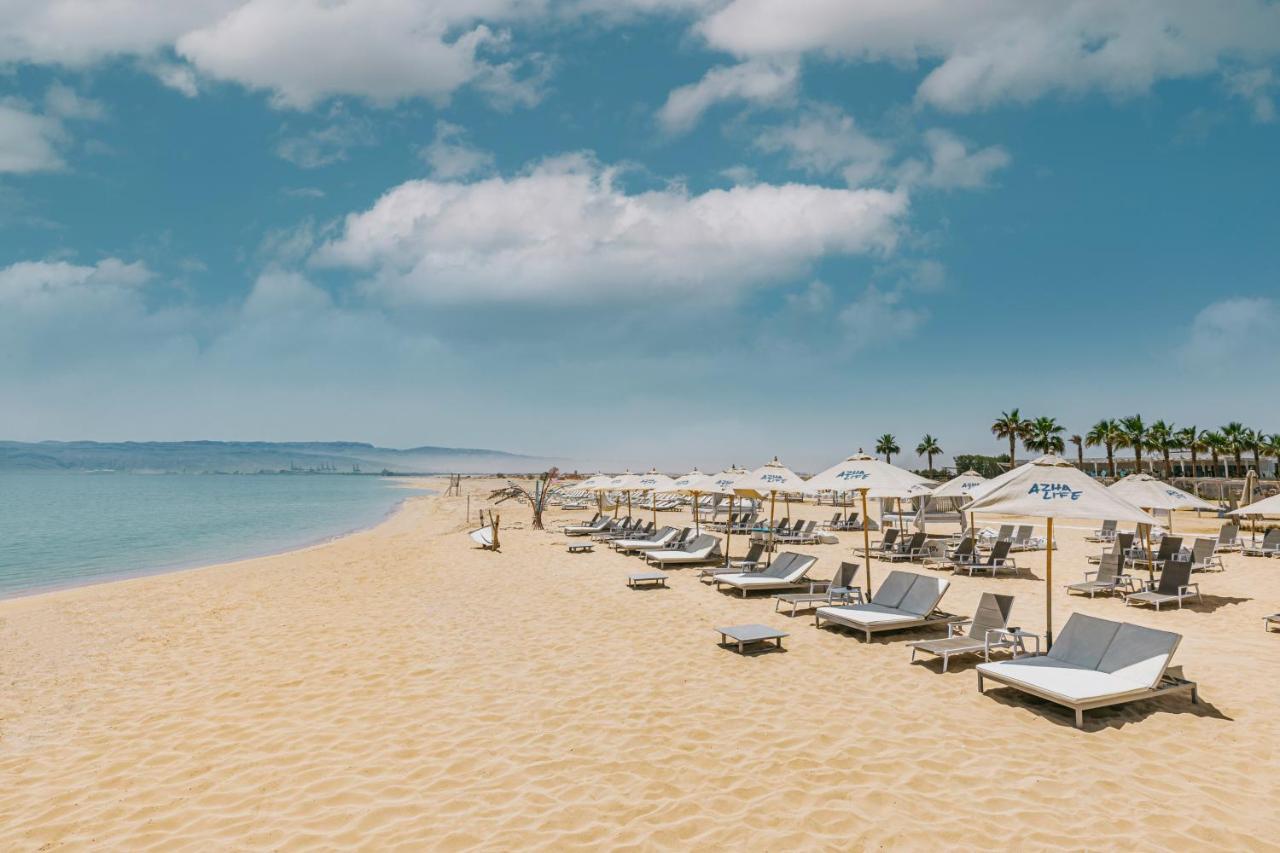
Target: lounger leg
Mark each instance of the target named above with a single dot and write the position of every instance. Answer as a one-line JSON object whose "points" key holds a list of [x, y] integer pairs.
{"points": [[1079, 719], [979, 682], [945, 659]]}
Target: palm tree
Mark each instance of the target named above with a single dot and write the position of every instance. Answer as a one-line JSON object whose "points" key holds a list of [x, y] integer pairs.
{"points": [[1044, 435], [1078, 441], [1254, 442], [1013, 427], [1217, 445], [1133, 433], [1105, 433], [928, 448], [1164, 438], [1271, 447], [888, 445], [1236, 436], [1192, 439]]}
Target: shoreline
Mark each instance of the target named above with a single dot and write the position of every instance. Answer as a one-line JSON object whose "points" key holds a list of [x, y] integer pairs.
{"points": [[199, 564]]}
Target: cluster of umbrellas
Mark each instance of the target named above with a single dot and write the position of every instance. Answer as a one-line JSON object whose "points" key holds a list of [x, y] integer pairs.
{"points": [[1049, 487]]}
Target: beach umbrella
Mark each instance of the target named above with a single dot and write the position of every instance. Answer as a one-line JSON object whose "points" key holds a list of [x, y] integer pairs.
{"points": [[1149, 493], [624, 482], [870, 477], [1051, 487], [1266, 506], [653, 482], [722, 485], [962, 486], [769, 480], [596, 483], [695, 484]]}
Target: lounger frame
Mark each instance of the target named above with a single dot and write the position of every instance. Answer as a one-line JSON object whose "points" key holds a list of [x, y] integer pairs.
{"points": [[1170, 682]]}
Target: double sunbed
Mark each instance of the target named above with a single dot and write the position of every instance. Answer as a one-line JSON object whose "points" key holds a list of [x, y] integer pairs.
{"points": [[787, 571], [1095, 663], [903, 600]]}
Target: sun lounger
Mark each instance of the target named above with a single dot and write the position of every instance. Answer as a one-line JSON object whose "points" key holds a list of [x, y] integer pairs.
{"points": [[885, 544], [1095, 663], [1120, 545], [800, 535], [1109, 578], [992, 615], [995, 561], [838, 590], [1174, 585], [661, 539], [1270, 545], [1105, 533], [1025, 540], [596, 525], [1228, 539], [702, 549], [961, 553], [787, 571], [1203, 559], [909, 550], [1169, 548], [903, 600]]}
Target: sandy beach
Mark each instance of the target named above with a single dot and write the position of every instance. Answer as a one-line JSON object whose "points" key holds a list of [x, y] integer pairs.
{"points": [[401, 689]]}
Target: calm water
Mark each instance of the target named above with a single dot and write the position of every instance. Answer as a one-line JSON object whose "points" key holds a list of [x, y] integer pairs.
{"points": [[67, 529]]}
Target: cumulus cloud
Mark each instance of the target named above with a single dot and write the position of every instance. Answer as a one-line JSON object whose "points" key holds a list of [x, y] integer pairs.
{"points": [[763, 82], [952, 164], [324, 146], [824, 140], [1236, 331], [29, 142], [1256, 87], [64, 102], [449, 155], [985, 53], [566, 229]]}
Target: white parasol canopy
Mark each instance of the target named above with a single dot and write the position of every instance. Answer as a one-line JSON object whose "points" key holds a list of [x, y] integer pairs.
{"points": [[1146, 491], [1266, 506], [652, 481], [595, 483], [694, 483], [862, 472], [960, 486], [768, 480], [1051, 487]]}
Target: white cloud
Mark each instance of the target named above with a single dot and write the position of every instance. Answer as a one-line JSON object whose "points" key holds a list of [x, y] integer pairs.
{"points": [[879, 317], [1256, 87], [824, 140], [326, 145], [180, 78], [303, 51], [1235, 332], [951, 164], [763, 82], [28, 142], [449, 155], [996, 51], [64, 102], [566, 230]]}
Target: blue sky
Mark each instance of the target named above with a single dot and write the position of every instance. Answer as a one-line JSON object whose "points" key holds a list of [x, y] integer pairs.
{"points": [[639, 232]]}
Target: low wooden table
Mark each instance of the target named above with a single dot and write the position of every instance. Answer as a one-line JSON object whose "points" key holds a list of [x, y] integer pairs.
{"points": [[581, 548], [635, 580], [744, 635]]}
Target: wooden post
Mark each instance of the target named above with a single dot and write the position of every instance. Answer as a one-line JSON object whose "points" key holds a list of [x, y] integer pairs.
{"points": [[866, 540], [1048, 588]]}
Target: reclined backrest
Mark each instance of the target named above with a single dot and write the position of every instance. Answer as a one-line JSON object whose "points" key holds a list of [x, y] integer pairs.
{"points": [[1110, 567], [844, 577], [698, 543], [1176, 573], [993, 612], [799, 568], [1139, 654], [924, 595], [1202, 550], [1169, 546], [893, 589], [1124, 541], [999, 551], [780, 565], [1084, 640], [890, 536], [1228, 534]]}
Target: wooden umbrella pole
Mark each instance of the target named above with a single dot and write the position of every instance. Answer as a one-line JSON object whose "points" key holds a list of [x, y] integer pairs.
{"points": [[1048, 587], [773, 496], [866, 540], [653, 503], [697, 531], [728, 533]]}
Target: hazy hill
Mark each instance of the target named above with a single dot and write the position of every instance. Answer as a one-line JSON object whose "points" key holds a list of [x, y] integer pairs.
{"points": [[253, 457]]}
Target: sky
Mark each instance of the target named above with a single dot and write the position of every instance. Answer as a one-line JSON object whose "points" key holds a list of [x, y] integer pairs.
{"points": [[635, 232]]}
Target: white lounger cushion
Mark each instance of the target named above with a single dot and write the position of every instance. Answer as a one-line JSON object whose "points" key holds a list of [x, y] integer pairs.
{"points": [[752, 581], [866, 614], [682, 556], [645, 543], [1073, 683]]}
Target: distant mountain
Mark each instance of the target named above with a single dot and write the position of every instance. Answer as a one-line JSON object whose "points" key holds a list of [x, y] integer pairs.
{"points": [[252, 457]]}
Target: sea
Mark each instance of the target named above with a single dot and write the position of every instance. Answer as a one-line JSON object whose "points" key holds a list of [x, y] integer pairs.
{"points": [[66, 529]]}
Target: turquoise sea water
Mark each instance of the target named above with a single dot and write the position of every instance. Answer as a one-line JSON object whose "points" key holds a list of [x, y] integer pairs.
{"points": [[67, 529]]}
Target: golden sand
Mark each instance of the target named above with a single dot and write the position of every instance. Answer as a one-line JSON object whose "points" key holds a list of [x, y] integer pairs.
{"points": [[399, 688]]}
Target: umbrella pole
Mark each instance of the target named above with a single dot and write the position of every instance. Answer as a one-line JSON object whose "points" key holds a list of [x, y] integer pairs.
{"points": [[728, 533], [866, 540], [773, 496], [697, 531], [1048, 587], [653, 504]]}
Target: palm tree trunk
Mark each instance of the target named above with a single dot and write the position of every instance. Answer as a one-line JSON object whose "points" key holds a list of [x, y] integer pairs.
{"points": [[1168, 464], [1013, 451], [1111, 460], [1194, 473]]}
